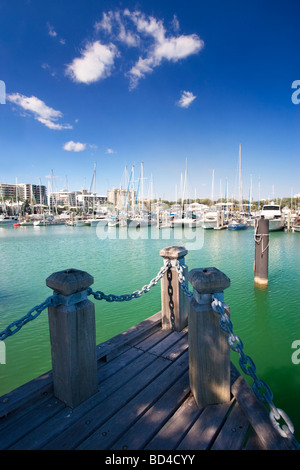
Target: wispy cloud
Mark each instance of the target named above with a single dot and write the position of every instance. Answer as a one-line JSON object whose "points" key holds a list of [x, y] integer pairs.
{"points": [[186, 99], [40, 111], [72, 146], [53, 33], [164, 47], [147, 34], [51, 30], [95, 63], [110, 151]]}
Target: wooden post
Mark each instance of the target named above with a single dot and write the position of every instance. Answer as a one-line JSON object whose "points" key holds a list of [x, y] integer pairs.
{"points": [[209, 351], [261, 260], [174, 302], [73, 337]]}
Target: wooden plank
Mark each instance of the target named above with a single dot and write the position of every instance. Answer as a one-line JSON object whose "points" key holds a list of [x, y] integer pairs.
{"points": [[59, 423], [177, 349], [152, 340], [169, 436], [234, 431], [34, 417], [253, 442], [115, 402], [258, 417], [171, 340], [112, 347], [30, 391], [141, 432], [112, 429], [206, 427]]}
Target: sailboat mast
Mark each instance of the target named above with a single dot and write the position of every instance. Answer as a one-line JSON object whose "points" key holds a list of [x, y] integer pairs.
{"points": [[142, 185], [240, 178]]}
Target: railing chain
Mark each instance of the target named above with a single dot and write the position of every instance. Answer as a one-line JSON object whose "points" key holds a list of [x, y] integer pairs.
{"points": [[99, 295], [260, 388], [15, 326]]}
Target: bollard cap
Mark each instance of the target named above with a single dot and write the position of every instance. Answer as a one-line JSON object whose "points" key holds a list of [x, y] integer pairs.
{"points": [[173, 252], [69, 281], [208, 280]]}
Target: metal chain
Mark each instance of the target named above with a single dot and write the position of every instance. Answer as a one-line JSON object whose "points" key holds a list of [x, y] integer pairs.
{"points": [[171, 301], [98, 295], [181, 279], [260, 388], [15, 326]]}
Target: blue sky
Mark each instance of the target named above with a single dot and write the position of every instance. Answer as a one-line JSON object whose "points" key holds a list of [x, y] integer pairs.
{"points": [[163, 83]]}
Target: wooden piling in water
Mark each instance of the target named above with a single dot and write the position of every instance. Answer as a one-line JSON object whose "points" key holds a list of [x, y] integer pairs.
{"points": [[73, 337], [209, 351], [261, 261]]}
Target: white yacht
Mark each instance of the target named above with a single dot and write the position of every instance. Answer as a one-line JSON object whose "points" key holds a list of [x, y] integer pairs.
{"points": [[273, 213], [210, 219], [8, 220]]}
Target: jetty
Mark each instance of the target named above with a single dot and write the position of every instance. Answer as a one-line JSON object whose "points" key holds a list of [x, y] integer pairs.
{"points": [[166, 383]]}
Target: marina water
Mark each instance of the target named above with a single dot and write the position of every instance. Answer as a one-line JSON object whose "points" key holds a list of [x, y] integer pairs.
{"points": [[267, 320]]}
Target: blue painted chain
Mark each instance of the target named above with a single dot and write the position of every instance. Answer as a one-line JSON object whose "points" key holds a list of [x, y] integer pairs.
{"points": [[260, 388], [99, 295], [15, 326]]}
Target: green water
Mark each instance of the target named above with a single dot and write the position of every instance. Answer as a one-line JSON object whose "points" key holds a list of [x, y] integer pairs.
{"points": [[267, 320]]}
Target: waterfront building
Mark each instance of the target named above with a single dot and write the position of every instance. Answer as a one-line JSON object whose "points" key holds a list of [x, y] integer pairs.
{"points": [[121, 198], [34, 193]]}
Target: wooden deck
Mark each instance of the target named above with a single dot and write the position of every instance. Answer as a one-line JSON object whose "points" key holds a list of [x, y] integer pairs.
{"points": [[143, 402]]}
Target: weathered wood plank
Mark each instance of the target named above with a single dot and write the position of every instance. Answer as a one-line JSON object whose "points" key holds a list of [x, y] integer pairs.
{"points": [[151, 340], [168, 342], [141, 432], [112, 347], [115, 402], [113, 428], [32, 418], [258, 416], [169, 436], [177, 349], [206, 427], [253, 442], [59, 424], [30, 391], [234, 431]]}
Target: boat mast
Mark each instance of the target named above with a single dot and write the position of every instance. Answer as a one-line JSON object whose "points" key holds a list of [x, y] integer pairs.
{"points": [[142, 186], [240, 178]]}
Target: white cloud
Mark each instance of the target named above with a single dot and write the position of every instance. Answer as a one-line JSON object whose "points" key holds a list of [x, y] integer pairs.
{"points": [[134, 29], [51, 31], [172, 48], [95, 63], [110, 151], [186, 99], [41, 112], [74, 146]]}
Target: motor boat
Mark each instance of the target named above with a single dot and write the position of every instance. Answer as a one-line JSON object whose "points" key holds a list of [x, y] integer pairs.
{"points": [[273, 213]]}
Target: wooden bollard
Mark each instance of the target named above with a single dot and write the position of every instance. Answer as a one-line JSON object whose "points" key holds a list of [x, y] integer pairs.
{"points": [[261, 261], [174, 302], [73, 337], [209, 351]]}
